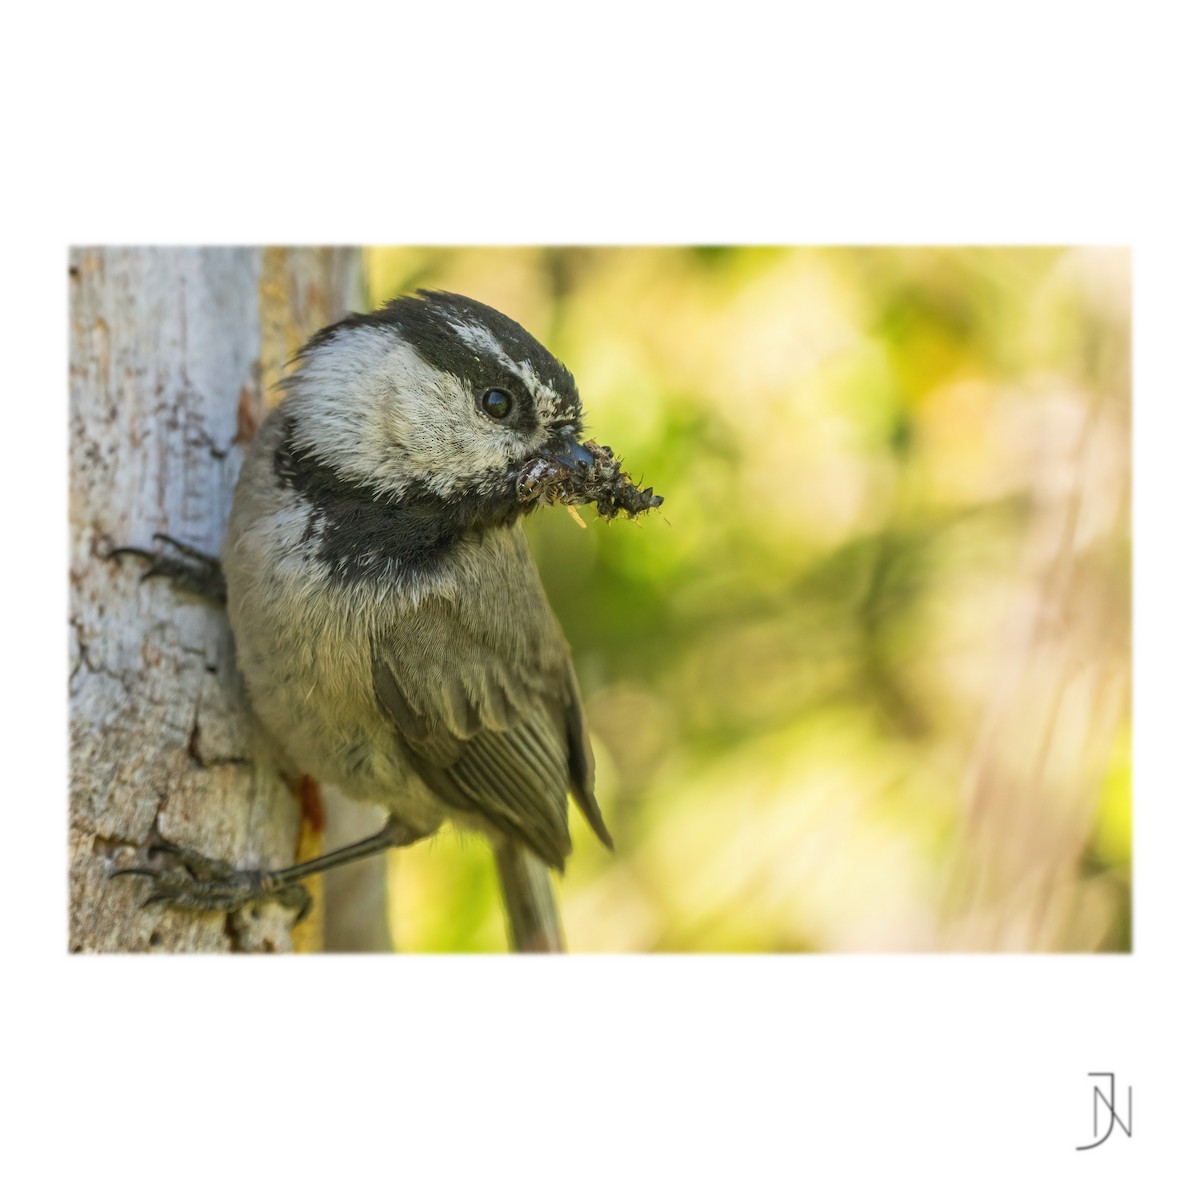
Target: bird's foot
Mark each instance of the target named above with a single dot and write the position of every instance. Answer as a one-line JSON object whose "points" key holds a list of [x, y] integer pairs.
{"points": [[183, 565], [182, 878]]}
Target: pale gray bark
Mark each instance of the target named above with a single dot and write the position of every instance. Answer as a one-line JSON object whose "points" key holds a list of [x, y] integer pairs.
{"points": [[173, 352], [356, 918]]}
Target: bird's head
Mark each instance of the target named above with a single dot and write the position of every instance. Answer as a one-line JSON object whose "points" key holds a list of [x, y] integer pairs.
{"points": [[435, 395]]}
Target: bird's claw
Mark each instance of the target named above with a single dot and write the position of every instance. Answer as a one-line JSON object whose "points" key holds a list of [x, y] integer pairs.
{"points": [[184, 565], [185, 879]]}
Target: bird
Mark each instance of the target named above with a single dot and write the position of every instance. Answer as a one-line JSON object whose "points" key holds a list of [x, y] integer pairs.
{"points": [[390, 623]]}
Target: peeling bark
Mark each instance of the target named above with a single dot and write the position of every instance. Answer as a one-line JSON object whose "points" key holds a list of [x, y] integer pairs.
{"points": [[173, 352]]}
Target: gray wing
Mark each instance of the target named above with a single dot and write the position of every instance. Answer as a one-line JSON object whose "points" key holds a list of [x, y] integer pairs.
{"points": [[492, 720]]}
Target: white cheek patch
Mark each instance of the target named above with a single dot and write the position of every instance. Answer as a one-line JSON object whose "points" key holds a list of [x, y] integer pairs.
{"points": [[376, 411]]}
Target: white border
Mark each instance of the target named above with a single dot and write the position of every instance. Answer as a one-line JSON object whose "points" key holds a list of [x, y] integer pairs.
{"points": [[708, 1076]]}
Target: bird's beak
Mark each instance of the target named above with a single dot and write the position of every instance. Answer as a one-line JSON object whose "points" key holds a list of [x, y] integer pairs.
{"points": [[571, 454]]}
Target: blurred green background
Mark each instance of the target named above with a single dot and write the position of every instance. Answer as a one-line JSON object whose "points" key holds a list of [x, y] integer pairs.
{"points": [[862, 684]]}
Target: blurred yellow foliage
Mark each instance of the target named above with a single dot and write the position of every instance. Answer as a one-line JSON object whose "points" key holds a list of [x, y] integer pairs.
{"points": [[863, 682]]}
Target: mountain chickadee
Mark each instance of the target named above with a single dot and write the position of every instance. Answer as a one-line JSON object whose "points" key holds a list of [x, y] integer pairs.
{"points": [[390, 624]]}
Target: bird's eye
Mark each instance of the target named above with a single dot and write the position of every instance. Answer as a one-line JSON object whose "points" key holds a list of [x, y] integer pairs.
{"points": [[496, 404]]}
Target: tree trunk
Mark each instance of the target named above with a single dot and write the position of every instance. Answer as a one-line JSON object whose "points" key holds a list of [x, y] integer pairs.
{"points": [[174, 357]]}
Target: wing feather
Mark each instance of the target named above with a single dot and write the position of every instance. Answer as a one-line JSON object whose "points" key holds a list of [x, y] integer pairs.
{"points": [[491, 720]]}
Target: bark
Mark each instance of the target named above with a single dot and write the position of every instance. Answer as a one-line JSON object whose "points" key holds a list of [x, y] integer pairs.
{"points": [[173, 357], [356, 918]]}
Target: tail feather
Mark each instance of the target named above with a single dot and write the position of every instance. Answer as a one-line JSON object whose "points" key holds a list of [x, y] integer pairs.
{"points": [[529, 901]]}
